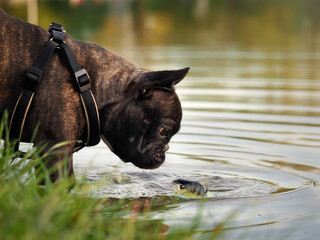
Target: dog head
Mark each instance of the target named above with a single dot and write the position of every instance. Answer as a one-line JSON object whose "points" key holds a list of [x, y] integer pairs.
{"points": [[139, 127]]}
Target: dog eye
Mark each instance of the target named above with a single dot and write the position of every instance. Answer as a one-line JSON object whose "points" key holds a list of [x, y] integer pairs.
{"points": [[164, 132], [182, 186], [144, 93]]}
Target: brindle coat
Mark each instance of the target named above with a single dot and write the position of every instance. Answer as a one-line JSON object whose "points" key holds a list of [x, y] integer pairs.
{"points": [[139, 109]]}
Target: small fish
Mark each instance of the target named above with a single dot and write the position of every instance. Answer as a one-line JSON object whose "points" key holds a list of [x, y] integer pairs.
{"points": [[190, 188]]}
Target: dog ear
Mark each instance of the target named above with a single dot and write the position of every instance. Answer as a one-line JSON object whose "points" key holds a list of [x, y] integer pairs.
{"points": [[162, 78], [141, 84], [159, 79]]}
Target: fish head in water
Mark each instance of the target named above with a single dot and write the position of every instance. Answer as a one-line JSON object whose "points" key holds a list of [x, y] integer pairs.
{"points": [[190, 188]]}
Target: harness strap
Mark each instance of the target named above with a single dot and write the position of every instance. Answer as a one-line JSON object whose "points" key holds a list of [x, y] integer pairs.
{"points": [[22, 106], [33, 77], [88, 102]]}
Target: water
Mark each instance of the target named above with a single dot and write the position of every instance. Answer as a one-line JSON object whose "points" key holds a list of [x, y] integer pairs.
{"points": [[255, 140], [251, 111]]}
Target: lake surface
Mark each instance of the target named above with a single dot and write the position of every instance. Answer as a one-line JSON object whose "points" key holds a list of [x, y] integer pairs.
{"points": [[251, 111], [254, 139]]}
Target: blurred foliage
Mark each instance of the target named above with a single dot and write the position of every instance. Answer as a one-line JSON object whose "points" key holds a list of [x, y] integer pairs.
{"points": [[271, 24], [30, 210]]}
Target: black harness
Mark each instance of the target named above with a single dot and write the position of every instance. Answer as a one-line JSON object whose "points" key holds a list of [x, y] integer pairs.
{"points": [[33, 77]]}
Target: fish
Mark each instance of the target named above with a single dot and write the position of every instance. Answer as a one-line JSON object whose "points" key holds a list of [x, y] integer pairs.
{"points": [[190, 188]]}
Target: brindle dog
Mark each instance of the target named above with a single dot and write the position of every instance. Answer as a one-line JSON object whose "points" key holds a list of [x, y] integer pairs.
{"points": [[139, 109]]}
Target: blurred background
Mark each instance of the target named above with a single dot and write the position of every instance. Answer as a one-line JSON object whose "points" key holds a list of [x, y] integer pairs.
{"points": [[279, 27], [216, 24]]}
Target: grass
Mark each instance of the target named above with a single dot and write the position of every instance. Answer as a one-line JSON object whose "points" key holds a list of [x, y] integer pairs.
{"points": [[32, 211]]}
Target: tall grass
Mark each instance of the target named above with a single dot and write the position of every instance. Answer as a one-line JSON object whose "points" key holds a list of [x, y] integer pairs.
{"points": [[32, 211]]}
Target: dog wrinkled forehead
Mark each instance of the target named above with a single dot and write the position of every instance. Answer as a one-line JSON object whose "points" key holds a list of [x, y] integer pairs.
{"points": [[172, 107], [165, 102]]}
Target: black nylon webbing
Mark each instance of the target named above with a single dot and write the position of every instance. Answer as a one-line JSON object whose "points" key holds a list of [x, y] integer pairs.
{"points": [[45, 55], [87, 99], [33, 77], [69, 58], [92, 116]]}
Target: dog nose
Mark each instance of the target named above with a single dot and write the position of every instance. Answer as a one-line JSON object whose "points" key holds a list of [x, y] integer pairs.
{"points": [[166, 147]]}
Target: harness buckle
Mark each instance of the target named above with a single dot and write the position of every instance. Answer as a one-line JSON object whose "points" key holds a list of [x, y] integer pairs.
{"points": [[56, 32], [33, 76], [83, 80]]}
